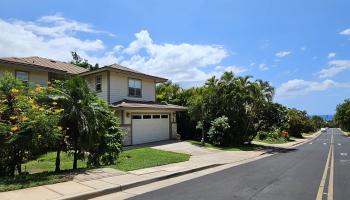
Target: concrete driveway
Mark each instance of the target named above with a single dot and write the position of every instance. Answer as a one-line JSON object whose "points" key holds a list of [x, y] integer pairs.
{"points": [[186, 147]]}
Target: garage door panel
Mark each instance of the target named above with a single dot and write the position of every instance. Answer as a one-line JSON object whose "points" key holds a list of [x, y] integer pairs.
{"points": [[150, 130]]}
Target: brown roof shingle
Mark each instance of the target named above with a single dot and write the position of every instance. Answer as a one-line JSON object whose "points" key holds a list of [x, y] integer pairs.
{"points": [[125, 69], [46, 63]]}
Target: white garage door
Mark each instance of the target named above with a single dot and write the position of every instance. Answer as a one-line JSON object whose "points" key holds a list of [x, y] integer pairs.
{"points": [[150, 128]]}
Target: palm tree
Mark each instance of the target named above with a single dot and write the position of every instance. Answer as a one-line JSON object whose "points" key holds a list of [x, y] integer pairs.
{"points": [[81, 118]]}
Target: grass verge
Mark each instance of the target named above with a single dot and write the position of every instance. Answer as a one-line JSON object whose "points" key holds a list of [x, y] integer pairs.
{"points": [[247, 147], [274, 140], [41, 170]]}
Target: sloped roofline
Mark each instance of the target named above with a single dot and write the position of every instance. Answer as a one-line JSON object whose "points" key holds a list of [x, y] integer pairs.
{"points": [[129, 71]]}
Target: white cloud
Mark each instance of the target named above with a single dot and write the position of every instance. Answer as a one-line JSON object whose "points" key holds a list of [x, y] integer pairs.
{"points": [[335, 67], [55, 37], [331, 55], [263, 67], [345, 32], [179, 62], [303, 48], [50, 36], [232, 68], [298, 87], [282, 54]]}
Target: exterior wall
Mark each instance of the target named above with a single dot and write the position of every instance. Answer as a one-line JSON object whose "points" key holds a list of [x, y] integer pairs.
{"points": [[91, 79], [127, 136], [119, 88], [35, 76], [174, 134]]}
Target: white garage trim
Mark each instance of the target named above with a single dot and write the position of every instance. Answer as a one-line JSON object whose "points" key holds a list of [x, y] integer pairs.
{"points": [[150, 127]]}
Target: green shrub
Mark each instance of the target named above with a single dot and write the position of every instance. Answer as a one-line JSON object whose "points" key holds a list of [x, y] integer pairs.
{"points": [[217, 130], [262, 135]]}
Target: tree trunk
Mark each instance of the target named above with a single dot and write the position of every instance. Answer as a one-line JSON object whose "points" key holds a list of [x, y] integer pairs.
{"points": [[58, 161], [75, 160], [19, 168], [75, 157]]}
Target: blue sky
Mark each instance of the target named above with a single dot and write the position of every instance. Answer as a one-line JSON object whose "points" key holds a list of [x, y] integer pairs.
{"points": [[301, 47]]}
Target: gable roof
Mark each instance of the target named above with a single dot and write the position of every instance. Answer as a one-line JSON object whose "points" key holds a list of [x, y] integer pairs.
{"points": [[123, 69], [45, 63]]}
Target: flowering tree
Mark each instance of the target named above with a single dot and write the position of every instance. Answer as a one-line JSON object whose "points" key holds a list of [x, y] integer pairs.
{"points": [[28, 123]]}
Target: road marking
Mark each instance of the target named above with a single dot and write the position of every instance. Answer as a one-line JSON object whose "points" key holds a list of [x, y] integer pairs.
{"points": [[324, 143], [310, 142], [324, 177], [331, 174], [330, 161], [339, 144], [344, 154]]}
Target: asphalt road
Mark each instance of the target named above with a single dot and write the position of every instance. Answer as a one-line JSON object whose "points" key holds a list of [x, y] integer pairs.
{"points": [[296, 174]]}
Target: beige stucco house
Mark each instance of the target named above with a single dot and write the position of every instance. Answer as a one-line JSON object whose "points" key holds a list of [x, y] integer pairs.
{"points": [[130, 93]]}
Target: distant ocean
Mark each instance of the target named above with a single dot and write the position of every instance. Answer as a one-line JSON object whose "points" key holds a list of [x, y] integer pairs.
{"points": [[327, 117]]}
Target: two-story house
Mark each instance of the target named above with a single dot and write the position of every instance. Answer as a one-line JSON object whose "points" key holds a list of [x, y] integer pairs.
{"points": [[130, 93]]}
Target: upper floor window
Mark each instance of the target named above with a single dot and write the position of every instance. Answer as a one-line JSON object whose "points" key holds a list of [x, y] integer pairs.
{"points": [[22, 75], [134, 88], [98, 84]]}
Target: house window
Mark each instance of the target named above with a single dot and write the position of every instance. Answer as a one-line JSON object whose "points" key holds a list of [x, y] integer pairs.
{"points": [[54, 76], [23, 76], [98, 85], [134, 88], [136, 116], [146, 116]]}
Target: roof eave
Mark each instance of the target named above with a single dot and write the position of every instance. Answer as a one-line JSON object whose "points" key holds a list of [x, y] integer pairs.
{"points": [[157, 79], [33, 66]]}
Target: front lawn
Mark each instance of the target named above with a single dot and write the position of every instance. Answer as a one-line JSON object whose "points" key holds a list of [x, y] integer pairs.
{"points": [[41, 170], [147, 157], [246, 147]]}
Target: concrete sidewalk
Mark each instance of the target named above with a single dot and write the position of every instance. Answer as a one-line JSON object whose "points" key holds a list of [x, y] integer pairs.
{"points": [[97, 182]]}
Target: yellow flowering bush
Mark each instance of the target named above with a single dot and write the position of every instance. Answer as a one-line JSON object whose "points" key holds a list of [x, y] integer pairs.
{"points": [[27, 125]]}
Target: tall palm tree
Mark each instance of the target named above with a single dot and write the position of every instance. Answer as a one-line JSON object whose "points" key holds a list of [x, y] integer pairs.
{"points": [[81, 118]]}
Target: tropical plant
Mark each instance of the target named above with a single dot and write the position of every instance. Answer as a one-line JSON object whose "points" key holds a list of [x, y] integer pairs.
{"points": [[342, 115], [218, 129], [28, 126], [86, 120]]}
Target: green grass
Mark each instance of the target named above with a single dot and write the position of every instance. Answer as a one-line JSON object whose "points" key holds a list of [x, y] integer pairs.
{"points": [[147, 157], [46, 163], [41, 170], [31, 180], [247, 147]]}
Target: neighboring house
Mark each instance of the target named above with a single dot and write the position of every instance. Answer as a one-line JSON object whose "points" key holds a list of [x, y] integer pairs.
{"points": [[130, 93], [38, 70]]}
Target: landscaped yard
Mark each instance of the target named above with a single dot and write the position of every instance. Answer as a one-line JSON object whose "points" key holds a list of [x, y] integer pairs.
{"points": [[274, 140], [247, 147], [41, 170]]}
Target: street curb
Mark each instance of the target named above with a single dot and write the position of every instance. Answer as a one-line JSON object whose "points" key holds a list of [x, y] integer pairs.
{"points": [[308, 140], [118, 188], [273, 149]]}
